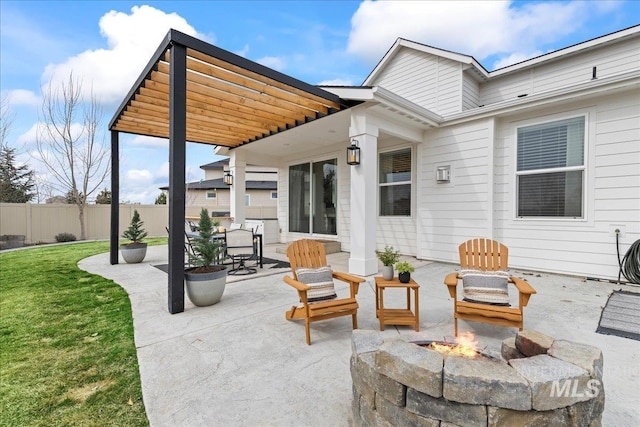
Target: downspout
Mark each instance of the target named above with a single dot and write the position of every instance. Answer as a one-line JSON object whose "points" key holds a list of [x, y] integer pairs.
{"points": [[491, 130]]}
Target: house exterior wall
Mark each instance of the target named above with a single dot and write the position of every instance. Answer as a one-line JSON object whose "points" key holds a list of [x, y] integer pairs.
{"points": [[222, 200], [585, 247], [470, 92], [428, 80], [610, 60], [451, 213], [480, 200]]}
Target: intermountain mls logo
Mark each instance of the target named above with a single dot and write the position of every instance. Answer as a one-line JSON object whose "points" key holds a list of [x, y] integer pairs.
{"points": [[571, 388]]}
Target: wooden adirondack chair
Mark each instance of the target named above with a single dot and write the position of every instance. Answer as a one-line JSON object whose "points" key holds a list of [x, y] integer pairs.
{"points": [[487, 255], [308, 253]]}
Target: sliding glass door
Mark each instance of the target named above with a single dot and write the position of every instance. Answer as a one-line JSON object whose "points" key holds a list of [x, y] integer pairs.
{"points": [[313, 197]]}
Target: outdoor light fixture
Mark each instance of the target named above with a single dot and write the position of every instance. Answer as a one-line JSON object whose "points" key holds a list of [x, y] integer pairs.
{"points": [[353, 153], [228, 178]]}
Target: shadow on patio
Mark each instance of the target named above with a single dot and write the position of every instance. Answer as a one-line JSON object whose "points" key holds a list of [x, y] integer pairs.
{"points": [[239, 362]]}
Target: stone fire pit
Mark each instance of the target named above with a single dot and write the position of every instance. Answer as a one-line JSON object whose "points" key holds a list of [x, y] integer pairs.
{"points": [[535, 381]]}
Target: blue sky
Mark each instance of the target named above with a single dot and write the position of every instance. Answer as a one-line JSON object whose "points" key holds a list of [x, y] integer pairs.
{"points": [[107, 43]]}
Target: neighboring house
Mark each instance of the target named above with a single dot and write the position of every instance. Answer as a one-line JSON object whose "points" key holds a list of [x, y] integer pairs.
{"points": [[261, 190], [543, 155]]}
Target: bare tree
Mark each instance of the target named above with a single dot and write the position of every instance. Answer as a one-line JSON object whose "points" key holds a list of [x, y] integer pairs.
{"points": [[6, 119], [70, 144]]}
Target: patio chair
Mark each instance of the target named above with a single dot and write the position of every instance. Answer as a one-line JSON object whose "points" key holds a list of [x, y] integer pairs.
{"points": [[483, 265], [313, 279], [240, 247]]}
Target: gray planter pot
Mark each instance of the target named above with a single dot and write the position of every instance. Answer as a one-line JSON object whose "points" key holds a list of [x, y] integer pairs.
{"points": [[205, 289], [133, 253], [387, 272]]}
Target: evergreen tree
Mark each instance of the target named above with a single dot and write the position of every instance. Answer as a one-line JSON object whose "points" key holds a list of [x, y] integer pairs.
{"points": [[103, 197], [16, 182], [161, 199]]}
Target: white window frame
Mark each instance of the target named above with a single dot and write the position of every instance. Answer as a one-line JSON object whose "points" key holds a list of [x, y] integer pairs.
{"points": [[584, 168], [274, 195], [388, 184], [209, 193], [247, 200]]}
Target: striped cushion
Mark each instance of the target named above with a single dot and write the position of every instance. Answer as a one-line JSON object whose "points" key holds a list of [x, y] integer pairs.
{"points": [[487, 287], [321, 282]]}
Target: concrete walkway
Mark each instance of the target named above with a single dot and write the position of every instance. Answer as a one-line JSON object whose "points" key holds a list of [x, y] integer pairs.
{"points": [[240, 363]]}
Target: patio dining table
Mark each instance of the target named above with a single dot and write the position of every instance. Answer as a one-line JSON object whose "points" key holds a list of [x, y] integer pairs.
{"points": [[220, 238]]}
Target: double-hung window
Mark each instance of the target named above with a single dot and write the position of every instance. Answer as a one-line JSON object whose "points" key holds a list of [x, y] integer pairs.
{"points": [[550, 169], [394, 183]]}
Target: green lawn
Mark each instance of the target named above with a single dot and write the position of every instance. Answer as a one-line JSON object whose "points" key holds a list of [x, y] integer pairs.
{"points": [[67, 354]]}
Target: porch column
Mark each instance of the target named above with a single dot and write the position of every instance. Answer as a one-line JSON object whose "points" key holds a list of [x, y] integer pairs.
{"points": [[363, 260], [114, 233], [177, 187], [238, 166]]}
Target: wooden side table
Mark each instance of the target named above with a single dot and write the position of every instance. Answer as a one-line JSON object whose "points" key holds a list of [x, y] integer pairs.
{"points": [[397, 316]]}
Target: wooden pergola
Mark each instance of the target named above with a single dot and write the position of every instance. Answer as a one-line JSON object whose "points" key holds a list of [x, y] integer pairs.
{"points": [[196, 92]]}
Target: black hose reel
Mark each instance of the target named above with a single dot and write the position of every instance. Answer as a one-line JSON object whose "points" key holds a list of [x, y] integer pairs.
{"points": [[630, 263]]}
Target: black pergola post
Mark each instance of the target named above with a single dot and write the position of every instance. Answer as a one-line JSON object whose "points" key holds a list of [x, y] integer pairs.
{"points": [[115, 197], [177, 161]]}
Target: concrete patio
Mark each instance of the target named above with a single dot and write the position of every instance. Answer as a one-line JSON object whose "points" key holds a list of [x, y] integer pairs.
{"points": [[240, 363]]}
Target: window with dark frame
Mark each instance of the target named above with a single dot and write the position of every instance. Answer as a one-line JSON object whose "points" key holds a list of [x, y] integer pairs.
{"points": [[550, 169], [394, 182]]}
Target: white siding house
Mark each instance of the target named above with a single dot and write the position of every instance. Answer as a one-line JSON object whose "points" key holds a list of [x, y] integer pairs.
{"points": [[543, 155]]}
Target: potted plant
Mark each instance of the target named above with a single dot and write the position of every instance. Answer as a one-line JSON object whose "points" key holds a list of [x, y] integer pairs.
{"points": [[404, 271], [135, 251], [205, 281], [388, 257]]}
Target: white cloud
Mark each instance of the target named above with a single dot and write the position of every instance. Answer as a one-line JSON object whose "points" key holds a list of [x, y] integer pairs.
{"points": [[336, 82], [132, 39], [473, 28], [514, 58], [150, 141], [243, 52], [22, 97], [139, 177], [163, 172], [272, 62]]}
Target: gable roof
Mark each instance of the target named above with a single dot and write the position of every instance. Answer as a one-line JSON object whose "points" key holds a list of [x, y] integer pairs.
{"points": [[477, 68], [218, 184]]}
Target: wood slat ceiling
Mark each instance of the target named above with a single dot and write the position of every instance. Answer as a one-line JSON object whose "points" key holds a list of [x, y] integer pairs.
{"points": [[227, 104]]}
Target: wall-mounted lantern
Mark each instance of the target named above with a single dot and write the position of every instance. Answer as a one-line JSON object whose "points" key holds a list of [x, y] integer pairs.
{"points": [[227, 178], [443, 174], [353, 153]]}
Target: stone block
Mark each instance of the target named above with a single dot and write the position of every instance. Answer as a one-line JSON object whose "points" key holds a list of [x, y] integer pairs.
{"points": [[363, 341], [532, 343], [411, 365], [509, 350], [500, 417], [554, 383], [398, 416], [485, 381], [587, 413], [363, 389], [355, 403], [388, 388], [461, 414], [585, 356]]}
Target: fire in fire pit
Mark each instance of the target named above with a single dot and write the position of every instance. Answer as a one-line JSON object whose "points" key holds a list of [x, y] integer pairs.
{"points": [[465, 345]]}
